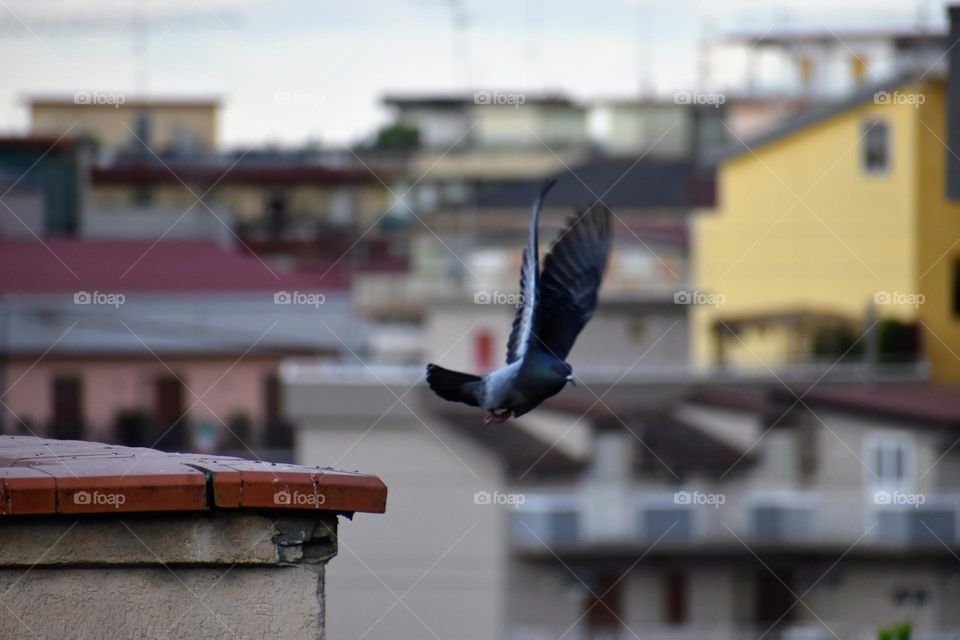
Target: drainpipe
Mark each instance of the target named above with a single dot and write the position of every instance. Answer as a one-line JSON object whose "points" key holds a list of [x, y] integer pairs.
{"points": [[952, 178]]}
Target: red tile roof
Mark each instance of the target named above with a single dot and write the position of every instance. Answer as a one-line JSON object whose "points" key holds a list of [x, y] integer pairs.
{"points": [[927, 402], [309, 175], [36, 143], [30, 266], [40, 476]]}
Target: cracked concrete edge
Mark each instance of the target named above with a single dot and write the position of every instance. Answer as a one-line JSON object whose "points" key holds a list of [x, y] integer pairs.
{"points": [[211, 538]]}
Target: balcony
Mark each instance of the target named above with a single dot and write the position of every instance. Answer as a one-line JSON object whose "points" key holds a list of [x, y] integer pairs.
{"points": [[720, 520]]}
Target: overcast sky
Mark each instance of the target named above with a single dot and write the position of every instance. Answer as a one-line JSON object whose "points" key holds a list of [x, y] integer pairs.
{"points": [[296, 70]]}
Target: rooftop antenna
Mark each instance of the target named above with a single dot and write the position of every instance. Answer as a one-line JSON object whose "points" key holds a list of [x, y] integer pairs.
{"points": [[703, 51]]}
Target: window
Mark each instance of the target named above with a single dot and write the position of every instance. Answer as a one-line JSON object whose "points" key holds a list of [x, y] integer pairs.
{"points": [[888, 458], [168, 400], [669, 523], [675, 598], [142, 196], [67, 407], [341, 207], [926, 526], [544, 519], [279, 433], [776, 523], [956, 288], [603, 608], [876, 146]]}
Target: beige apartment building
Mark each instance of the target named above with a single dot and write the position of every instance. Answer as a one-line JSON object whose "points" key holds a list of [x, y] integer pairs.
{"points": [[112, 118]]}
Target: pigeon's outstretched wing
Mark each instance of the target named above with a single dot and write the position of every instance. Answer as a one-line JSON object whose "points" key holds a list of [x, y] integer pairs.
{"points": [[455, 386], [571, 277], [526, 320]]}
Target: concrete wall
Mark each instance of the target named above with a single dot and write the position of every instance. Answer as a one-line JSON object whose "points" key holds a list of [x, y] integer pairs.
{"points": [[443, 555], [168, 576]]}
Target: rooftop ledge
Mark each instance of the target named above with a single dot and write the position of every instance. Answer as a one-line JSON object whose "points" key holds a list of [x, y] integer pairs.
{"points": [[45, 477], [101, 541]]}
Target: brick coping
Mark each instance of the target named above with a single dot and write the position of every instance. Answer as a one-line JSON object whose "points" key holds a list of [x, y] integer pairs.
{"points": [[40, 476]]}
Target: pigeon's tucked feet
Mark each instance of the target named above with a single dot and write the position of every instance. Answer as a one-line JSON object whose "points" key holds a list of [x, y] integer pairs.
{"points": [[496, 416]]}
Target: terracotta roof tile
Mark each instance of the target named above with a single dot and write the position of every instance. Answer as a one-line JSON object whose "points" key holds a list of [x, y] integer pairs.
{"points": [[923, 401], [39, 476], [175, 266]]}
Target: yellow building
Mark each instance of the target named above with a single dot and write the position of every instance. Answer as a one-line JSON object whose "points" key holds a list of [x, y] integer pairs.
{"points": [[112, 119], [837, 219]]}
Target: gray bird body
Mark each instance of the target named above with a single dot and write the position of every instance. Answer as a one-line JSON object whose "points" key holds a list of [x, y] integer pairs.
{"points": [[556, 305]]}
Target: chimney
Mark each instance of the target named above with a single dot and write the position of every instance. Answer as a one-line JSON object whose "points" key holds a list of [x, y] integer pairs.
{"points": [[952, 177]]}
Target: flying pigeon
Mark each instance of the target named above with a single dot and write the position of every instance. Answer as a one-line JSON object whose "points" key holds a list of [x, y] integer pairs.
{"points": [[556, 305]]}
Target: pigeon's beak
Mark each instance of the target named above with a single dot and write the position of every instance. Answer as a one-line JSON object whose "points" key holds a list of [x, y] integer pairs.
{"points": [[571, 380]]}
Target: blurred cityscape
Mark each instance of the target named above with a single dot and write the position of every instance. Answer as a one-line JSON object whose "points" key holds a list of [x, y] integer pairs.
{"points": [[762, 442]]}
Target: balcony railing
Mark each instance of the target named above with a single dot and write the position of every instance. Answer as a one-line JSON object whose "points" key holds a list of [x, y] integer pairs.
{"points": [[713, 518]]}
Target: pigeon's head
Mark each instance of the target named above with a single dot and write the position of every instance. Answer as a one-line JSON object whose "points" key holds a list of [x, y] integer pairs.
{"points": [[566, 371]]}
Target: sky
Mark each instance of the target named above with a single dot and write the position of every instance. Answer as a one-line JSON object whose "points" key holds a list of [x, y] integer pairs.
{"points": [[315, 71]]}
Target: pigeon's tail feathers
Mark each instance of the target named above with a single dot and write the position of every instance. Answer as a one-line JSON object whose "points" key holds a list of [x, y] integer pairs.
{"points": [[455, 386]]}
